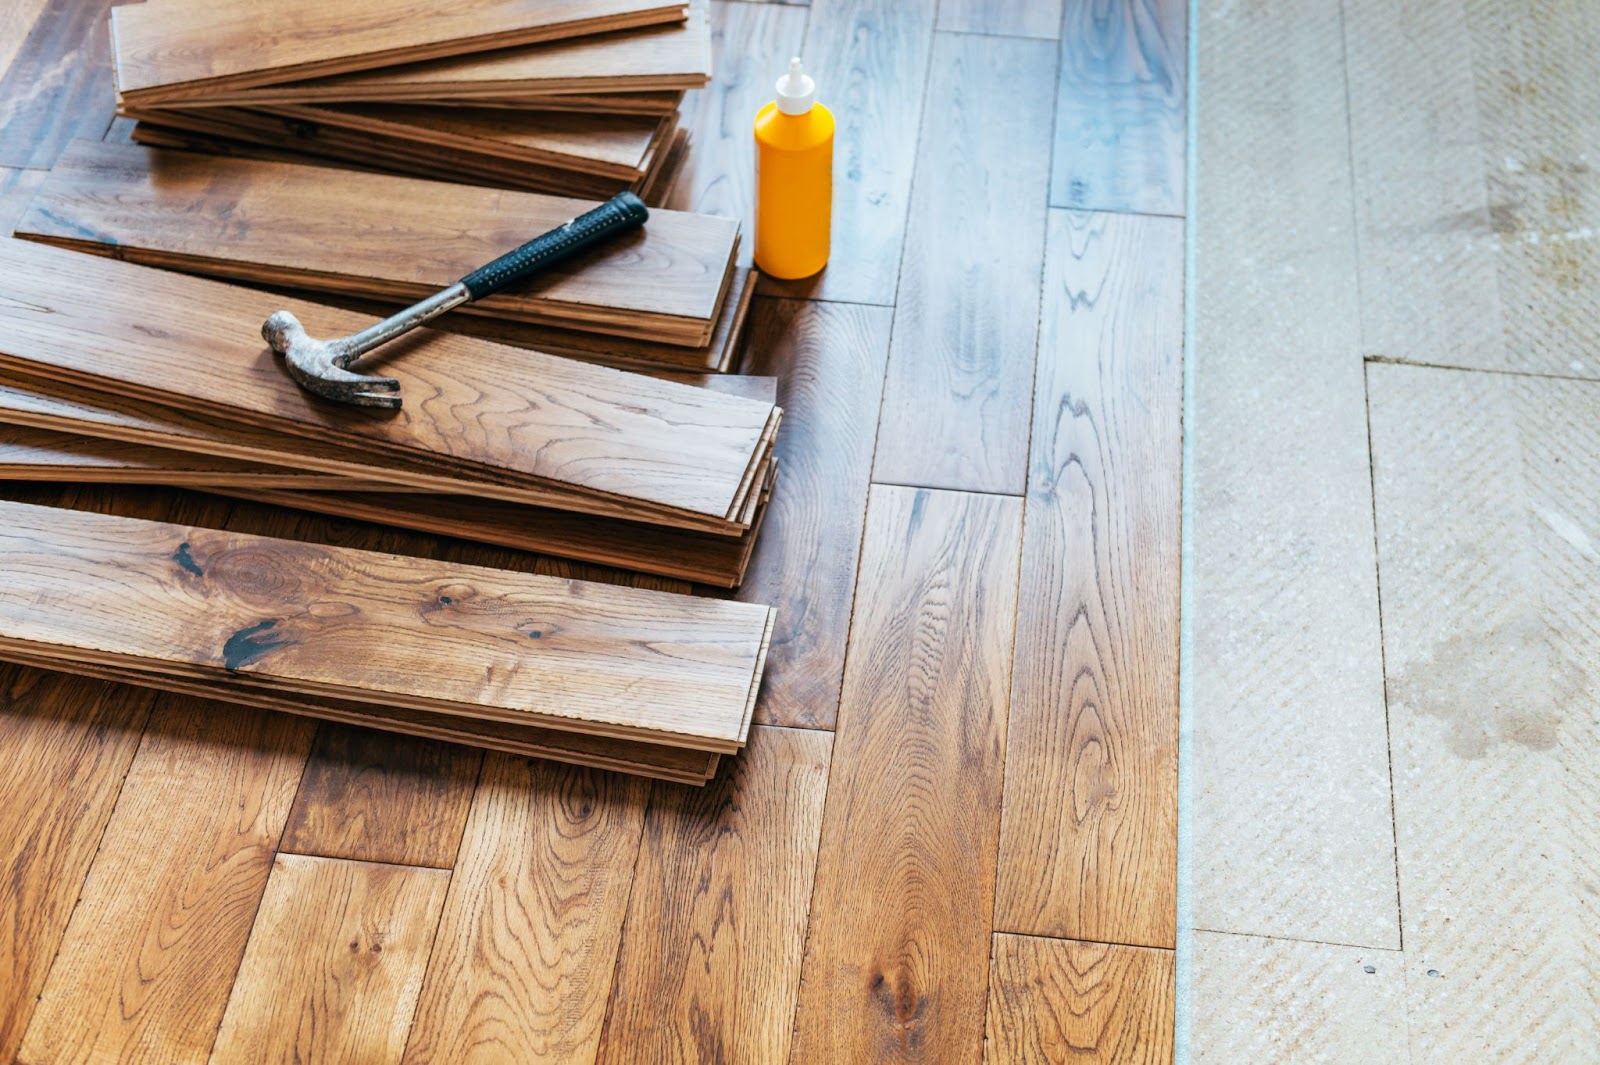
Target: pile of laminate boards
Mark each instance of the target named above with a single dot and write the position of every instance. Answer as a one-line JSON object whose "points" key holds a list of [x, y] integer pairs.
{"points": [[668, 296], [574, 97], [617, 678], [115, 371]]}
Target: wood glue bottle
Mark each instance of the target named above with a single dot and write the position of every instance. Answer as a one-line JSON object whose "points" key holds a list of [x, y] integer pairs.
{"points": [[794, 179]]}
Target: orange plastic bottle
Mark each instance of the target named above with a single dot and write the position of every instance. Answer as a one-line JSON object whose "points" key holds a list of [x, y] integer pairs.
{"points": [[794, 179]]}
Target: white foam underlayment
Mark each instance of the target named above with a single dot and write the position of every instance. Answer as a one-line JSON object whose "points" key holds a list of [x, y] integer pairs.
{"points": [[1182, 1017]]}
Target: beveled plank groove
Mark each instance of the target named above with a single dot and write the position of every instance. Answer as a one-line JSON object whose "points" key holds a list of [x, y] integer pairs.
{"points": [[896, 962]]}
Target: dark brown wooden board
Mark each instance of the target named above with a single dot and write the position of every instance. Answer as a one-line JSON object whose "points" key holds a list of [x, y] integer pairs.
{"points": [[1120, 111], [896, 965], [960, 379]]}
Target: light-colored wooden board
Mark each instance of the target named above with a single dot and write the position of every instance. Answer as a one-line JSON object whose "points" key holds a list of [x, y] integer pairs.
{"points": [[351, 625], [960, 374], [870, 61], [17, 188], [1056, 1001], [749, 43], [1006, 18], [651, 59], [70, 742], [170, 48], [132, 201], [829, 359], [710, 959], [1492, 652], [644, 443], [150, 953], [897, 955], [1120, 112], [1292, 829], [1260, 999], [526, 945], [334, 962], [1088, 845], [377, 797], [1474, 130], [16, 19]]}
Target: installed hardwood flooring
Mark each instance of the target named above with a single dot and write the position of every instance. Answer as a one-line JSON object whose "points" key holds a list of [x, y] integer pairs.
{"points": [[58, 84], [828, 896]]}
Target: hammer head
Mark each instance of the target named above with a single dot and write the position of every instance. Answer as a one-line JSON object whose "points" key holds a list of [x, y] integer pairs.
{"points": [[318, 366]]}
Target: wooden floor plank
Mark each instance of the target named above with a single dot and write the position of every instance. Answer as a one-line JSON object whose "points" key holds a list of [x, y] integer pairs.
{"points": [[1120, 112], [1008, 18], [897, 955], [530, 929], [960, 381], [151, 951], [710, 958], [1292, 828], [1492, 653], [17, 188], [58, 86], [69, 743], [378, 797], [334, 962], [1055, 1001], [870, 61], [829, 359], [1094, 698], [16, 20], [751, 45]]}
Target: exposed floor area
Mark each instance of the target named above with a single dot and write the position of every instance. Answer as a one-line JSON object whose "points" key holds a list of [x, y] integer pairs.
{"points": [[952, 838], [1395, 674]]}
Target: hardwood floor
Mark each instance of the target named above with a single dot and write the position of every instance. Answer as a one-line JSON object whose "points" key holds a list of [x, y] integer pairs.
{"points": [[978, 499]]}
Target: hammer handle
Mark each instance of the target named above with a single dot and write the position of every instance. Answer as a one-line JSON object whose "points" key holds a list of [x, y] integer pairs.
{"points": [[622, 212]]}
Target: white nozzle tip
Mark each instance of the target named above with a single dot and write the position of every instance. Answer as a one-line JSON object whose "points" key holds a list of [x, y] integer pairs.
{"points": [[796, 90]]}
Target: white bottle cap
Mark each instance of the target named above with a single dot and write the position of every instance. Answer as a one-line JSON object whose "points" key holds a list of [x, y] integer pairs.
{"points": [[796, 91]]}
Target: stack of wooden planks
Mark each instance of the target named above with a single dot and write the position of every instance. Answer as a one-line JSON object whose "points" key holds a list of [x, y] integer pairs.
{"points": [[617, 678], [152, 377], [574, 97], [668, 296]]}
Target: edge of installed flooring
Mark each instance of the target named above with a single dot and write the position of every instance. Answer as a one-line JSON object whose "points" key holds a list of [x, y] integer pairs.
{"points": [[1182, 1051]]}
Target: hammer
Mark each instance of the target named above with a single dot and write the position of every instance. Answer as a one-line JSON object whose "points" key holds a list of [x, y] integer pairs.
{"points": [[320, 366]]}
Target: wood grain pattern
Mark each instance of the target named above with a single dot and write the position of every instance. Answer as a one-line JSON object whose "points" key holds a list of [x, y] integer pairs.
{"points": [[870, 60], [530, 927], [663, 281], [55, 87], [150, 953], [829, 358], [621, 662], [596, 432], [168, 48], [897, 957], [1056, 1001], [961, 366], [651, 59], [334, 962], [17, 188], [1120, 112], [749, 42], [376, 797], [1009, 18], [69, 742], [710, 959], [1088, 844]]}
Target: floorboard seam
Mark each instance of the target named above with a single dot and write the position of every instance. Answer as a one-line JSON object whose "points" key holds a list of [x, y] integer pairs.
{"points": [[1401, 360], [1383, 661], [1081, 939], [1091, 209], [945, 488], [1298, 939]]}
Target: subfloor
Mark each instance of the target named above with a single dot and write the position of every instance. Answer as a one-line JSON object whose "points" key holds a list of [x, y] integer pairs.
{"points": [[953, 836], [1394, 669]]}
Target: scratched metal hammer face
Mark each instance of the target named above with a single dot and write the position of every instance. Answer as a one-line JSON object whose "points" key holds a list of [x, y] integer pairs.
{"points": [[322, 366]]}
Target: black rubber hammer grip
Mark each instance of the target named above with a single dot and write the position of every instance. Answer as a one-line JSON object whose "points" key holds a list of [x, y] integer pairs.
{"points": [[622, 212]]}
